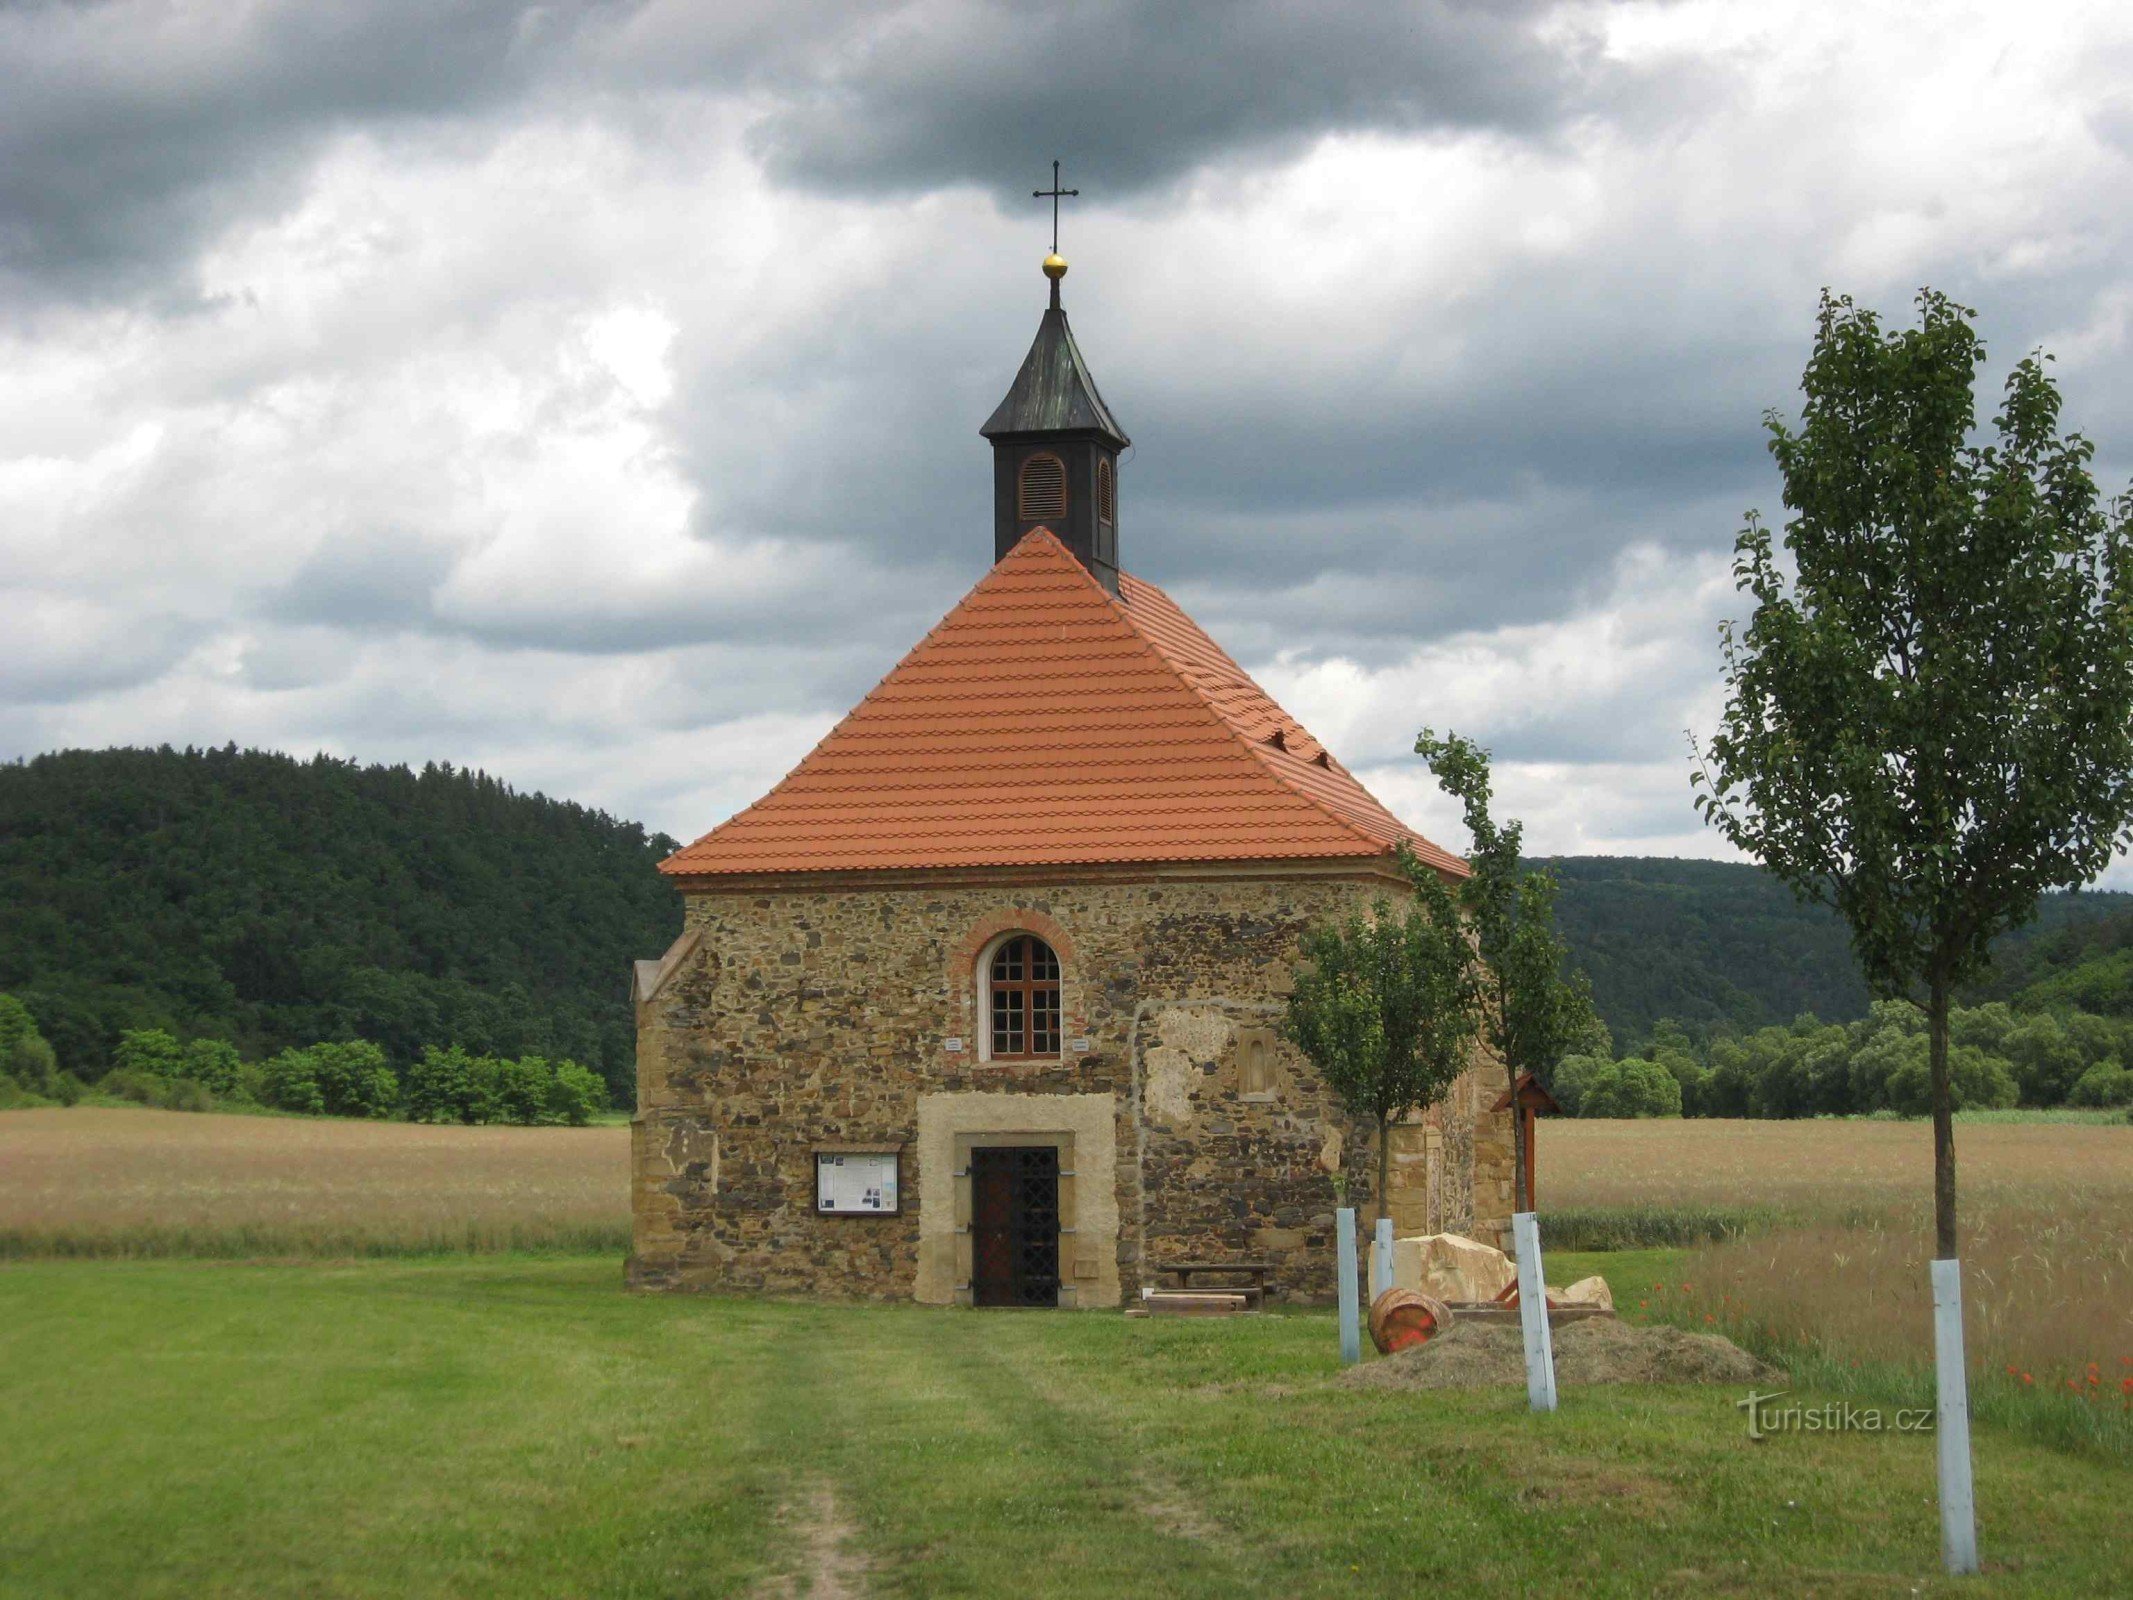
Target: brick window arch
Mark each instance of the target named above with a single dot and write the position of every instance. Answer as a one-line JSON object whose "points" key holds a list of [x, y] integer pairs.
{"points": [[1041, 489], [1021, 988]]}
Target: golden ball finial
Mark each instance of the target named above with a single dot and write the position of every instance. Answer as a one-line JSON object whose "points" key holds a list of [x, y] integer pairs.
{"points": [[1055, 266]]}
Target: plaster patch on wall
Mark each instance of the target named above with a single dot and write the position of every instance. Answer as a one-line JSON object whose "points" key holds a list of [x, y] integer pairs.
{"points": [[1329, 1149], [1167, 1097], [1201, 1033]]}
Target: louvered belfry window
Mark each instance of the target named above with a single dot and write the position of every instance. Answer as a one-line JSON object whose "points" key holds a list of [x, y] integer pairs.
{"points": [[1024, 990], [1040, 490], [1104, 494]]}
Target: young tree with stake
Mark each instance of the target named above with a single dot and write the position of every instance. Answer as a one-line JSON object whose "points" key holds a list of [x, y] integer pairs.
{"points": [[1384, 1007], [1535, 1010], [1929, 717]]}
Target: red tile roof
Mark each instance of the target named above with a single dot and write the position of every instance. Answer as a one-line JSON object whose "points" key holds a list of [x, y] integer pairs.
{"points": [[1044, 723]]}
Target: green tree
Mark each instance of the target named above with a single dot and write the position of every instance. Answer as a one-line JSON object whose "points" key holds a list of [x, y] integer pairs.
{"points": [[2046, 1057], [574, 1096], [288, 1081], [150, 1050], [441, 1087], [2105, 1084], [1672, 1048], [27, 1057], [16, 1025], [214, 1064], [1384, 1008], [1536, 1009], [354, 1079], [1632, 1088], [1929, 716], [1573, 1076], [1975, 1080], [346, 1079]]}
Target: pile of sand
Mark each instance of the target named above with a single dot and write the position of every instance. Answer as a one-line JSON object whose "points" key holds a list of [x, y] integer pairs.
{"points": [[1596, 1350]]}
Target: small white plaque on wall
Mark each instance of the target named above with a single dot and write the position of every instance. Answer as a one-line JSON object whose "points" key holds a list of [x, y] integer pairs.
{"points": [[856, 1182], [953, 1046], [1081, 1046]]}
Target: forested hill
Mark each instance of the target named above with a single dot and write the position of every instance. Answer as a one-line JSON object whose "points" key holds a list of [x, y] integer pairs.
{"points": [[1709, 942], [274, 902]]}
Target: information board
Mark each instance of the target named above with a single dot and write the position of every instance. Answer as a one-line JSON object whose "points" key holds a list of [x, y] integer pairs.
{"points": [[859, 1182]]}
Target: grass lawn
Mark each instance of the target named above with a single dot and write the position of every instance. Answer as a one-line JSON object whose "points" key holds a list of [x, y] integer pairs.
{"points": [[517, 1426]]}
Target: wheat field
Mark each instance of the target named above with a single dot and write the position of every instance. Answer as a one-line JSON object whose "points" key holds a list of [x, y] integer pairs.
{"points": [[89, 1181], [1831, 1259]]}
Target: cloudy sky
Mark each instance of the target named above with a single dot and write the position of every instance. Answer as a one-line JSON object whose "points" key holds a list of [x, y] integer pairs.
{"points": [[590, 392]]}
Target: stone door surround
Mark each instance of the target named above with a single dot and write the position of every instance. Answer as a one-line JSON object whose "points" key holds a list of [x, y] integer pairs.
{"points": [[1083, 1128]]}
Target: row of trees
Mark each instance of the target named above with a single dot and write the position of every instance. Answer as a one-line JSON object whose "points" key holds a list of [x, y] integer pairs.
{"points": [[335, 1078], [1882, 1063]]}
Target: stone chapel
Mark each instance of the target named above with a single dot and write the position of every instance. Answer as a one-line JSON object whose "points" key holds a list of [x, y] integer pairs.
{"points": [[980, 1004]]}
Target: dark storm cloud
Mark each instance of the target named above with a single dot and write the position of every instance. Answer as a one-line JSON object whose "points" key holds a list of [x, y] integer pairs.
{"points": [[1138, 91], [132, 131]]}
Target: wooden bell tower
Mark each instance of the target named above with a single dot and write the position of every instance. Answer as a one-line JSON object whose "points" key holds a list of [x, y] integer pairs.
{"points": [[1055, 444]]}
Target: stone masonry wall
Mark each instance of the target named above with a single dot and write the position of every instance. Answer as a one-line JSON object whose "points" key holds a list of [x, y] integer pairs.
{"points": [[806, 1018]]}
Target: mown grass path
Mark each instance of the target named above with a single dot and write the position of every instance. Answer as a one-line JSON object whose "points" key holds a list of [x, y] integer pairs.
{"points": [[518, 1426]]}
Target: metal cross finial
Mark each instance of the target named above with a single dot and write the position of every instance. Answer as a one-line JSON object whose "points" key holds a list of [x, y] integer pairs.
{"points": [[1052, 194]]}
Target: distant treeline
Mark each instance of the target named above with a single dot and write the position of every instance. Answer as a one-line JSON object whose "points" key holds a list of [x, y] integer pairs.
{"points": [[270, 903], [1715, 945], [1997, 1058], [340, 1078]]}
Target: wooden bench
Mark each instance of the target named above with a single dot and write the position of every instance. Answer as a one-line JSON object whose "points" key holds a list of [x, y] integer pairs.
{"points": [[1253, 1272]]}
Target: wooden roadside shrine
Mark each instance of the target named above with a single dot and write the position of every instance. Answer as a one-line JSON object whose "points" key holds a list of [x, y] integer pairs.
{"points": [[1533, 1101]]}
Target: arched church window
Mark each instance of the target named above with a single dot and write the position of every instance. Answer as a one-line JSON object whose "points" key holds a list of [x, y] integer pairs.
{"points": [[1106, 512], [1040, 489], [1022, 994]]}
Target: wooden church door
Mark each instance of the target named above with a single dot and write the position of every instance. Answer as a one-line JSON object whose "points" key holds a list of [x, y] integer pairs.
{"points": [[1014, 1226]]}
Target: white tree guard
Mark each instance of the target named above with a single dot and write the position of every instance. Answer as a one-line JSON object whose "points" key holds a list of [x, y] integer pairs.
{"points": [[1533, 1313]]}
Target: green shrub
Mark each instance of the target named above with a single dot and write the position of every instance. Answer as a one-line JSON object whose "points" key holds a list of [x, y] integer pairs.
{"points": [[517, 1089], [2105, 1084], [452, 1085], [1976, 1081], [15, 1096], [1572, 1076], [215, 1063], [441, 1086], [289, 1082], [356, 1080], [345, 1079], [575, 1095], [34, 1067], [2046, 1059], [188, 1094], [16, 1025], [152, 1051], [28, 1061], [1633, 1088], [131, 1083]]}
